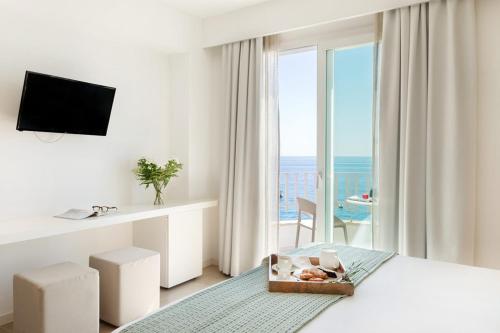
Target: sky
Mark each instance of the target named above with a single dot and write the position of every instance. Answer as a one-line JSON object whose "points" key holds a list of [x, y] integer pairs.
{"points": [[353, 86]]}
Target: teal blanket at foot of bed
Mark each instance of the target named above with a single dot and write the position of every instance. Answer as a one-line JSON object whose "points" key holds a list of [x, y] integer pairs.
{"points": [[243, 304]]}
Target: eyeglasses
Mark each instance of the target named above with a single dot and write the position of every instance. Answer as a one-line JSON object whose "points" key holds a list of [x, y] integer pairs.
{"points": [[104, 209]]}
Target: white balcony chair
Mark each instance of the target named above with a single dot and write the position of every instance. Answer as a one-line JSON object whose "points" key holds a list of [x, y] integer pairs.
{"points": [[338, 223], [308, 207]]}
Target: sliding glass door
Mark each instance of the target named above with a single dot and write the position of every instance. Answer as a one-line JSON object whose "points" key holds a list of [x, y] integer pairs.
{"points": [[298, 145], [326, 92], [348, 186]]}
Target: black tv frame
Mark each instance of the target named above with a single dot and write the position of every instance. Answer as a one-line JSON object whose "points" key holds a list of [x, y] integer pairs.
{"points": [[21, 106]]}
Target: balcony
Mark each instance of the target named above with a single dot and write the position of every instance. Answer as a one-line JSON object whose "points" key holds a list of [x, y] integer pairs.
{"points": [[347, 184]]}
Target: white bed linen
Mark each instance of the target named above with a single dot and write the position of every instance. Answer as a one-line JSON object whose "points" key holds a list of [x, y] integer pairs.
{"points": [[417, 295]]}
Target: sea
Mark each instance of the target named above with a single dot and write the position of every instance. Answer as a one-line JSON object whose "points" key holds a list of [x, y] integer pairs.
{"points": [[353, 174]]}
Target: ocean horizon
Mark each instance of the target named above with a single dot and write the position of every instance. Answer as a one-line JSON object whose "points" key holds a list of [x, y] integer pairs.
{"points": [[354, 178]]}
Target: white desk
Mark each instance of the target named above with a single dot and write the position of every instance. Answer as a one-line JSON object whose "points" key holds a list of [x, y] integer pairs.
{"points": [[175, 230], [13, 231]]}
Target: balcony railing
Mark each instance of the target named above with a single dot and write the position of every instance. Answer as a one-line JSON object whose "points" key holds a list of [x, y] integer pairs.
{"points": [[303, 184], [295, 184]]}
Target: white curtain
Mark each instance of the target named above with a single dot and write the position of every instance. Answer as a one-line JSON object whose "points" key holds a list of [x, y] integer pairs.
{"points": [[248, 215], [427, 131], [270, 142]]}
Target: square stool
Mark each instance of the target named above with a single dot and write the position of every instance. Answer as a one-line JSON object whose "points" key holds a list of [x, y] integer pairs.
{"points": [[59, 298], [129, 283]]}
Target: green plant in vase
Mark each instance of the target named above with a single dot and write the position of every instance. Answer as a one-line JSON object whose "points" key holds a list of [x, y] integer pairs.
{"points": [[151, 174]]}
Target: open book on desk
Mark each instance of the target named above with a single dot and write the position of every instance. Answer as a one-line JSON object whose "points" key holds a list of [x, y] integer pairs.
{"points": [[77, 214]]}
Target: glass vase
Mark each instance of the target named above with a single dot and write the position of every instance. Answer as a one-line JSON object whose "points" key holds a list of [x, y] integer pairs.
{"points": [[159, 198]]}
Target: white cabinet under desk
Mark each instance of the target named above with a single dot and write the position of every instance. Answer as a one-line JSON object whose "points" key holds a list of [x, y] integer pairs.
{"points": [[179, 239]]}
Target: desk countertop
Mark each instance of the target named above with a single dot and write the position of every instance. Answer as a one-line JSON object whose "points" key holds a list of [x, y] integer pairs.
{"points": [[18, 230]]}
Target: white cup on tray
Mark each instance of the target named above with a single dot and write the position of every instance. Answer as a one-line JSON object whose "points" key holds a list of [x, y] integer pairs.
{"points": [[284, 267], [329, 259]]}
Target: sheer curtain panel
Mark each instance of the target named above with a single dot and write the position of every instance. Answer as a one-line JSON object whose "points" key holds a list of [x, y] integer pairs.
{"points": [[427, 131], [248, 229]]}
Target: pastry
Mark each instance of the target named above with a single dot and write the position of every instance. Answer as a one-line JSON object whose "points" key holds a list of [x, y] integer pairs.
{"points": [[316, 279], [306, 276], [316, 273]]}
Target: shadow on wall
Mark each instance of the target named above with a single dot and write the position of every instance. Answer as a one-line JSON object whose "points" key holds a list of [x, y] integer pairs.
{"points": [[11, 88]]}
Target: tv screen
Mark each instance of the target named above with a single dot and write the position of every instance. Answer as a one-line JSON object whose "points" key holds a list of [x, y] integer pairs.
{"points": [[55, 104]]}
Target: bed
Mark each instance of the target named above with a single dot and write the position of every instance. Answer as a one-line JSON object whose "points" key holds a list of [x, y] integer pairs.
{"points": [[417, 295], [402, 295]]}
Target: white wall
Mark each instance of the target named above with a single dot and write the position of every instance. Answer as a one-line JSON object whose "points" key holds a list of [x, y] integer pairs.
{"points": [[278, 16], [125, 44], [196, 111], [205, 139], [488, 168]]}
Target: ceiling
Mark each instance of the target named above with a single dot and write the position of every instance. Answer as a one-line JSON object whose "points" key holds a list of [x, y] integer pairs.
{"points": [[206, 8]]}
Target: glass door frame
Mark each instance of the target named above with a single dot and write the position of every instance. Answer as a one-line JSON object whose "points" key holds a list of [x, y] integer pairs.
{"points": [[325, 120], [361, 33]]}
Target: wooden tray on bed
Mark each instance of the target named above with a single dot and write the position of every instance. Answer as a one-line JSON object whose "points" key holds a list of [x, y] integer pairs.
{"points": [[299, 286]]}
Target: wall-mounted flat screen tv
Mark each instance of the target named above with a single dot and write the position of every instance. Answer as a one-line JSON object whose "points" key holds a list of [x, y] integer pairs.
{"points": [[55, 104]]}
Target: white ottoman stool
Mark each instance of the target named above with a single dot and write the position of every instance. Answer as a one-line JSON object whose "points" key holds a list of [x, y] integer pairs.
{"points": [[129, 283], [57, 299]]}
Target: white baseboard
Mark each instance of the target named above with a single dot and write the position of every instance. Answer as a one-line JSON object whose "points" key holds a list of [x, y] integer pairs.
{"points": [[210, 262], [6, 318]]}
